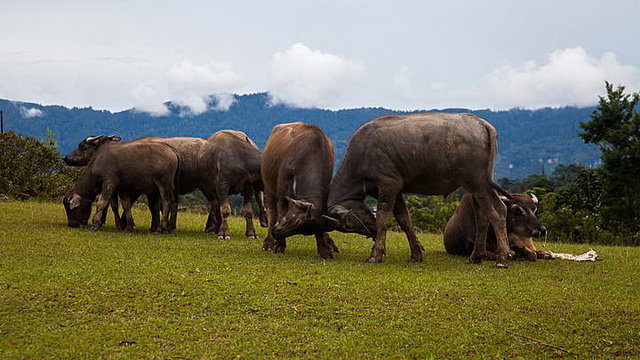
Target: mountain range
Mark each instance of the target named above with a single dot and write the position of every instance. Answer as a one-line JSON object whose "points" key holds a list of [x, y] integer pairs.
{"points": [[529, 141]]}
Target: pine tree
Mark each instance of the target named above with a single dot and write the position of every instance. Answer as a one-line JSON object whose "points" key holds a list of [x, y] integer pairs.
{"points": [[615, 128]]}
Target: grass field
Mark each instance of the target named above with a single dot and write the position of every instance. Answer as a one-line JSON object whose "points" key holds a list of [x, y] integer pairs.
{"points": [[73, 293]]}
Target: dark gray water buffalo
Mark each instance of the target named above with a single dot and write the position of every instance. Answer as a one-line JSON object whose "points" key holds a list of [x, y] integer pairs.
{"points": [[522, 226], [130, 168], [187, 180], [297, 164], [229, 163], [427, 153]]}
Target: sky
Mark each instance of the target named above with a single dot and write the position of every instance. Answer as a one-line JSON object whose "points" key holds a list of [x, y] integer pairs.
{"points": [[334, 54]]}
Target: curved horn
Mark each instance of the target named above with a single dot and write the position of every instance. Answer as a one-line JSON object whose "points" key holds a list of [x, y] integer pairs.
{"points": [[114, 138], [90, 139], [534, 198]]}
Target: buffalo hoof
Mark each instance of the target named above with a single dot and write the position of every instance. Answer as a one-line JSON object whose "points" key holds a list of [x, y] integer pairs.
{"points": [[501, 265], [415, 259], [279, 247], [268, 244], [224, 237], [95, 228], [373, 260], [474, 260], [253, 237], [327, 256]]}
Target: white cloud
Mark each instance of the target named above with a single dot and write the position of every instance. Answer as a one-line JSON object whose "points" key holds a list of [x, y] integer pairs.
{"points": [[30, 113], [570, 77], [147, 99], [305, 77], [190, 85]]}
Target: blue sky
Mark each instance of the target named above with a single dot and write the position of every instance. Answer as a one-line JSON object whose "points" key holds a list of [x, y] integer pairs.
{"points": [[333, 54]]}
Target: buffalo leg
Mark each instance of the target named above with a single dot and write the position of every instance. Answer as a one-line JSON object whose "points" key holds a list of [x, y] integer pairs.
{"points": [[490, 210], [213, 222], [247, 213], [330, 244], [272, 214], [166, 196], [154, 204], [324, 251], [126, 212], [173, 218], [101, 204], [388, 193], [222, 195], [264, 222], [116, 212], [404, 220]]}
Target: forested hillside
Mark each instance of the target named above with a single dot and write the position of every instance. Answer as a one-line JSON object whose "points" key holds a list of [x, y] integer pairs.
{"points": [[527, 138]]}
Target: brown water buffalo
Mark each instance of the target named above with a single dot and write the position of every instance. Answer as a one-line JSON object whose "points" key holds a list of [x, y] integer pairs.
{"points": [[297, 164], [130, 168], [229, 163], [426, 153], [522, 226]]}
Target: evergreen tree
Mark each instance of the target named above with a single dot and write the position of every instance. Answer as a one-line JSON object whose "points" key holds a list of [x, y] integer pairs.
{"points": [[615, 128]]}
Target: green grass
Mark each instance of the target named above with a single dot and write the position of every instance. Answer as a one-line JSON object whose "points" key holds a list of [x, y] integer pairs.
{"points": [[73, 293]]}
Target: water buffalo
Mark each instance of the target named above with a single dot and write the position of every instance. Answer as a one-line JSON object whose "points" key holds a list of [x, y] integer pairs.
{"points": [[522, 226], [130, 168], [187, 180], [297, 164], [229, 163], [426, 153]]}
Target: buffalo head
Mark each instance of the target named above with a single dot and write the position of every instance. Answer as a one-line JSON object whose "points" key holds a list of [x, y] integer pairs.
{"points": [[523, 224], [78, 209], [86, 149], [300, 217], [352, 217]]}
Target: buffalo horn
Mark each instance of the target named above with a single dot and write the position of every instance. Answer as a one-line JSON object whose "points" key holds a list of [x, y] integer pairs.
{"points": [[90, 139]]}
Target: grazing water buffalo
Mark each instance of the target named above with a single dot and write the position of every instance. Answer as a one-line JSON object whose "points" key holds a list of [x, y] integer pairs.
{"points": [[229, 163], [427, 153], [297, 164], [522, 226], [187, 180], [130, 168]]}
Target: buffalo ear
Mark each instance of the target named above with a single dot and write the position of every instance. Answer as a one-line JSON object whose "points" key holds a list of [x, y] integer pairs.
{"points": [[75, 201], [301, 204], [114, 138]]}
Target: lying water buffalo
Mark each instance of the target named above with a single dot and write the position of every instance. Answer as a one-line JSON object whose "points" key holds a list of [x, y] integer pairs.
{"points": [[229, 163], [522, 226], [130, 168], [427, 153], [297, 164]]}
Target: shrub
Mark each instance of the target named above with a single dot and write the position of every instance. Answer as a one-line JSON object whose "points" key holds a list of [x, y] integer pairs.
{"points": [[430, 213], [32, 168]]}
